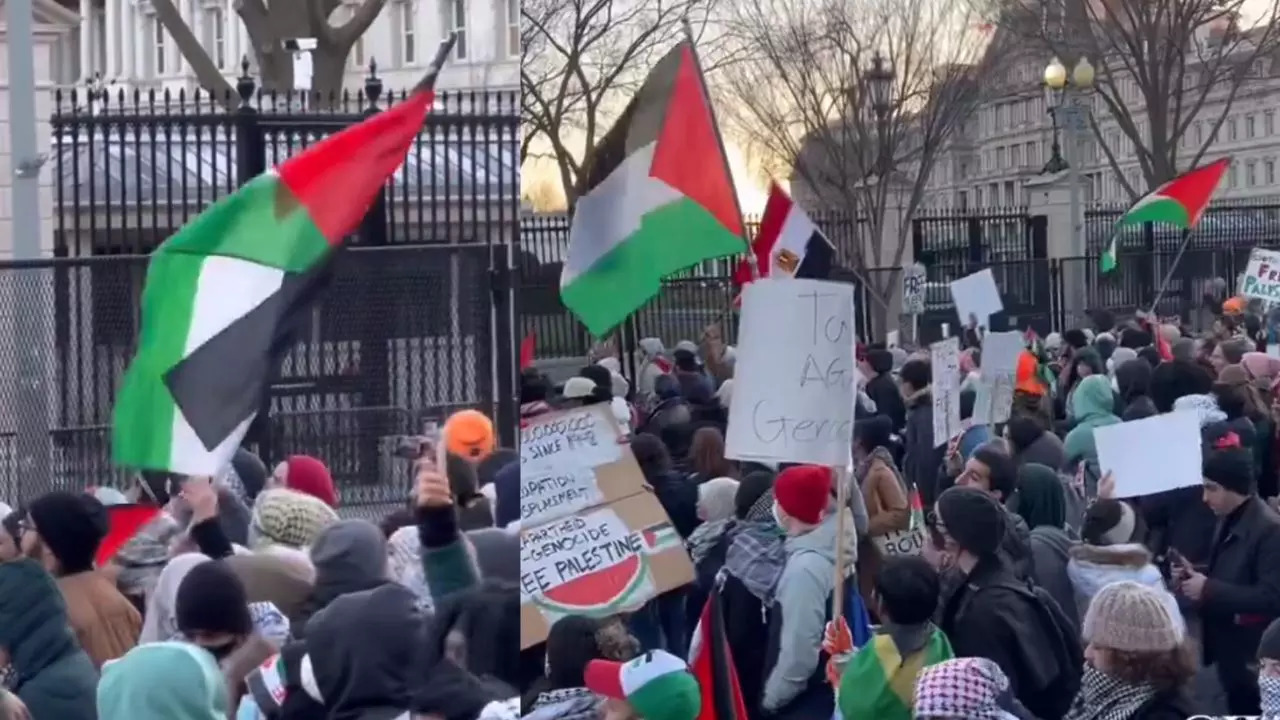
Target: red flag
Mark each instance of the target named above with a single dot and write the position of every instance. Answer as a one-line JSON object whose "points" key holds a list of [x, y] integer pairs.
{"points": [[527, 347], [124, 523], [713, 666]]}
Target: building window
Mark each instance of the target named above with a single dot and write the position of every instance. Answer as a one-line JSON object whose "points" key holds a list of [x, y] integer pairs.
{"points": [[159, 49], [357, 52], [408, 33], [1250, 127], [99, 38], [215, 31], [513, 28], [1233, 176], [456, 20], [1232, 131], [1250, 174], [1269, 170], [1269, 122], [1016, 155]]}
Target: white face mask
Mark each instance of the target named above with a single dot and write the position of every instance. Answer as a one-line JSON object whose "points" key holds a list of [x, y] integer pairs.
{"points": [[777, 515]]}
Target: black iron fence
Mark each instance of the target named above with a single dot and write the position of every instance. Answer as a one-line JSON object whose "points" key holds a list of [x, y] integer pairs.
{"points": [[416, 322], [1013, 244]]}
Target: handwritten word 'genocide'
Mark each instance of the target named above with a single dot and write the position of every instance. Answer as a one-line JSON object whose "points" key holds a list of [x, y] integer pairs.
{"points": [[565, 435], [564, 551], [771, 426]]}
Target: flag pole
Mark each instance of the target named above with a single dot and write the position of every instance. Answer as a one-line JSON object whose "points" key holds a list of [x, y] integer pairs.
{"points": [[428, 81], [687, 28], [1186, 240]]}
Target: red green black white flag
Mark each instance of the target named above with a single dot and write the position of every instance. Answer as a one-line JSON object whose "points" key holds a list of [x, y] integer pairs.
{"points": [[224, 294], [1180, 202]]}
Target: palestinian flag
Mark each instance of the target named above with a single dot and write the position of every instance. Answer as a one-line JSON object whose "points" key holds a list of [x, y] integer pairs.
{"points": [[787, 245], [1179, 202], [711, 662], [223, 295], [124, 522], [658, 199]]}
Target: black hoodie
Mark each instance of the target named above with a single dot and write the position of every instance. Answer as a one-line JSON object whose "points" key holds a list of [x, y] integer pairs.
{"points": [[362, 648]]}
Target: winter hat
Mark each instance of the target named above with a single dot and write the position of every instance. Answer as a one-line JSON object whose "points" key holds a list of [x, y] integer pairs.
{"points": [[349, 550], [288, 517], [657, 685], [1108, 522], [716, 498], [1130, 617], [753, 486], [1229, 465], [469, 434], [249, 471], [72, 525], [212, 599], [803, 492], [163, 680], [961, 689], [972, 518], [1269, 646], [308, 475]]}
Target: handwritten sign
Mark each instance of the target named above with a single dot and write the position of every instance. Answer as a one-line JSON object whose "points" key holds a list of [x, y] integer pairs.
{"points": [[580, 438], [795, 385], [550, 494], [913, 290], [1262, 275], [976, 296], [563, 551], [1151, 455], [944, 360], [993, 399]]}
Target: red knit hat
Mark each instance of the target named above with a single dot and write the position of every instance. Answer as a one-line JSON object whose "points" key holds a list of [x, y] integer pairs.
{"points": [[308, 475], [803, 492]]}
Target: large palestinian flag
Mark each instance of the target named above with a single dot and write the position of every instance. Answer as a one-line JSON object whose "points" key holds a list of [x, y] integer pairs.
{"points": [[223, 295], [1180, 202], [659, 198]]}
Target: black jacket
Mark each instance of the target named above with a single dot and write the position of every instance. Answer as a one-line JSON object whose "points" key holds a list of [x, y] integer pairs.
{"points": [[921, 459], [883, 391], [984, 619], [679, 498], [1242, 594], [1177, 705]]}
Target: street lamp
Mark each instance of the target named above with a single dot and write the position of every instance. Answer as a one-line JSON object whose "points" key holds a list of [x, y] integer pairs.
{"points": [[1056, 84], [879, 84]]}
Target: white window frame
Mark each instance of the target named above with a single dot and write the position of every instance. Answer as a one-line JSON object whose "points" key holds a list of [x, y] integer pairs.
{"points": [[455, 15], [408, 32], [159, 48], [215, 33], [513, 27]]}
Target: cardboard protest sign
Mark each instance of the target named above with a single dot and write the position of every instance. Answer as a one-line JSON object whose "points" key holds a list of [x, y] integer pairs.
{"points": [[594, 539], [993, 399], [976, 295], [1151, 455], [795, 378], [944, 361], [1262, 276]]}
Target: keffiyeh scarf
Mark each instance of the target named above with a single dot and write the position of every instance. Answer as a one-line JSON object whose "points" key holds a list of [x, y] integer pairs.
{"points": [[961, 689], [1103, 697]]}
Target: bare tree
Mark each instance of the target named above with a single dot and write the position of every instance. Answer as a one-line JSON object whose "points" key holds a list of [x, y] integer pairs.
{"points": [[804, 100], [580, 60], [268, 25], [1162, 68]]}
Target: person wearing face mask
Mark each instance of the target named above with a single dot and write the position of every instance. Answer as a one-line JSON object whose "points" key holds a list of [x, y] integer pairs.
{"points": [[1269, 669], [212, 610], [1139, 664]]}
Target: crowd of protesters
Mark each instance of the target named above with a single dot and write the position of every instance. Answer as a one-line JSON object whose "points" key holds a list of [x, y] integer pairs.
{"points": [[994, 575], [248, 596]]}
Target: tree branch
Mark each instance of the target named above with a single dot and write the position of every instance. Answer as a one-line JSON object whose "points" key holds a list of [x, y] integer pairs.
{"points": [[207, 72]]}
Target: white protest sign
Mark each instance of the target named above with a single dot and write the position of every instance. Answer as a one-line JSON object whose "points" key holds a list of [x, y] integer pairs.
{"points": [[891, 339], [1262, 276], [913, 290], [549, 494], [578, 546], [794, 382], [579, 438], [1151, 455], [944, 359], [993, 399], [976, 296]]}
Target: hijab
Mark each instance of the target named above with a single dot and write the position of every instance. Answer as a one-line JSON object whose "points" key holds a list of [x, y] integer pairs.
{"points": [[160, 623], [1041, 500]]}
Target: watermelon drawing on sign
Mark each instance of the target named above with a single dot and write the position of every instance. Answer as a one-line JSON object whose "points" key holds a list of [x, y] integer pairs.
{"points": [[612, 589]]}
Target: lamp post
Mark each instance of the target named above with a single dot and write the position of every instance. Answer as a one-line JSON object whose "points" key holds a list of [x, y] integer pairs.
{"points": [[1069, 118], [879, 84]]}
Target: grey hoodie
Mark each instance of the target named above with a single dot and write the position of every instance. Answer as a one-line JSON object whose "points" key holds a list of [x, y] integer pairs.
{"points": [[804, 591], [1051, 547]]}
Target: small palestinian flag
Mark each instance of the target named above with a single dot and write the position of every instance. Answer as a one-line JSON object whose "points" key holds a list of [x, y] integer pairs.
{"points": [[788, 244], [1179, 202], [659, 198], [224, 294]]}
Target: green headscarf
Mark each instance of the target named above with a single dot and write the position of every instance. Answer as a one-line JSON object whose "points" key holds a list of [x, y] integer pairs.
{"points": [[1041, 499], [163, 681]]}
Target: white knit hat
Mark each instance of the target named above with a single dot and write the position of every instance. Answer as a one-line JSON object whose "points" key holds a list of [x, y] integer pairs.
{"points": [[1130, 617]]}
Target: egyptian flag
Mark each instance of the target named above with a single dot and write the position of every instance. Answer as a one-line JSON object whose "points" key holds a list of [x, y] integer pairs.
{"points": [[712, 664], [224, 295], [788, 243]]}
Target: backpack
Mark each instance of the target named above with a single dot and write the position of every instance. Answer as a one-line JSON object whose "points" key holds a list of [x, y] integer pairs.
{"points": [[1063, 640]]}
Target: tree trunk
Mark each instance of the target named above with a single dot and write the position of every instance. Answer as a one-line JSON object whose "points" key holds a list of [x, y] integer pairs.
{"points": [[328, 65], [275, 69]]}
